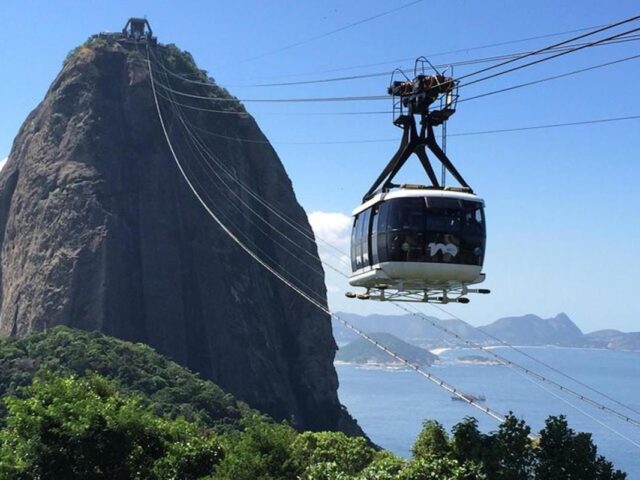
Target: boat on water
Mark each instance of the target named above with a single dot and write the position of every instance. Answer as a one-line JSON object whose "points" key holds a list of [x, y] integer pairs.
{"points": [[468, 397]]}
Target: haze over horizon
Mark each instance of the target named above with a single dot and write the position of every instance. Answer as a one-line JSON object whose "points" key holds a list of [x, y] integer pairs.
{"points": [[562, 203]]}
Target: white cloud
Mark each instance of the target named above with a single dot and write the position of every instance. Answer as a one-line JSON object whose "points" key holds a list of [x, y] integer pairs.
{"points": [[333, 235], [332, 228], [3, 161]]}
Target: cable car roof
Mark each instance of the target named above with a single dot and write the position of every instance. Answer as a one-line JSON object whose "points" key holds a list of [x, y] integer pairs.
{"points": [[406, 191]]}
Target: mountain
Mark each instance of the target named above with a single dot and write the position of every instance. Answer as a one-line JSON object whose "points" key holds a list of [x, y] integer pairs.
{"points": [[533, 330], [613, 340], [362, 351], [99, 231], [521, 330], [411, 328]]}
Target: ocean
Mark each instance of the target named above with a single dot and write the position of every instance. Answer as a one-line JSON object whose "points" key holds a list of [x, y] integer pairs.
{"points": [[390, 405]]}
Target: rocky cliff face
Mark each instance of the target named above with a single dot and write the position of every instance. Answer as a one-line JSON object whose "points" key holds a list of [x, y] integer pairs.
{"points": [[99, 231]]}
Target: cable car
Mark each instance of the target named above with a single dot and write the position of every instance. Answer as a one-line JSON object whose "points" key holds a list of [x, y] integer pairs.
{"points": [[416, 242]]}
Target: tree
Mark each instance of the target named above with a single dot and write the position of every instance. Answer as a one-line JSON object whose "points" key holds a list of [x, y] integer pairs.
{"points": [[83, 428], [385, 466], [512, 455], [432, 441], [350, 454], [262, 450], [565, 455], [431, 467], [468, 443]]}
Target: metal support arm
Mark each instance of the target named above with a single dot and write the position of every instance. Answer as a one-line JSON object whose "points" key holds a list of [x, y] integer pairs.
{"points": [[414, 143]]}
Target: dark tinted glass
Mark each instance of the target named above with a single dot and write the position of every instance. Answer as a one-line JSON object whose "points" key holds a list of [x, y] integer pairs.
{"points": [[406, 214], [353, 243], [374, 235], [364, 238], [442, 230]]}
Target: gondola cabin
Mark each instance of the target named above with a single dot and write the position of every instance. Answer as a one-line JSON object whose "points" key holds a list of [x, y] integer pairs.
{"points": [[419, 243], [418, 239]]}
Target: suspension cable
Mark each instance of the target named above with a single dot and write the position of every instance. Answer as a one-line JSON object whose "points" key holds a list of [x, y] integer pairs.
{"points": [[461, 63], [528, 371], [308, 234], [429, 376], [480, 132], [439, 54], [564, 42], [331, 32], [482, 95], [553, 77], [573, 48]]}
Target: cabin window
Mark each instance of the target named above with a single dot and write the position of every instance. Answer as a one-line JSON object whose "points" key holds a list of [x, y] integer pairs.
{"points": [[442, 230], [354, 243], [364, 238], [374, 235], [360, 241]]}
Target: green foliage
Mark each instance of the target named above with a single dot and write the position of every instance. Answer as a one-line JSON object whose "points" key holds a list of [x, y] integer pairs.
{"points": [[567, 455], [432, 441], [181, 63], [349, 454], [511, 455], [385, 466], [468, 443], [164, 385], [325, 471], [440, 468], [261, 451], [94, 41], [84, 428], [83, 405]]}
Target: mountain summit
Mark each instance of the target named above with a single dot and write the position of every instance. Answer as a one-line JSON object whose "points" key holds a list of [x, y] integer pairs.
{"points": [[99, 231]]}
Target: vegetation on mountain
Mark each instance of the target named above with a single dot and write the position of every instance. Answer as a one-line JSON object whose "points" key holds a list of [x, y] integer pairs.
{"points": [[122, 246], [81, 405], [165, 386], [71, 428]]}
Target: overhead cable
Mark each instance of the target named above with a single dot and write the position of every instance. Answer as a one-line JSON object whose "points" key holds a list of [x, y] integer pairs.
{"points": [[176, 160], [331, 32], [564, 42], [429, 376], [514, 365], [385, 97], [439, 54]]}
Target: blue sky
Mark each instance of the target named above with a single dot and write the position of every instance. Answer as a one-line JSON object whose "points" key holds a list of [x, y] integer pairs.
{"points": [[562, 204]]}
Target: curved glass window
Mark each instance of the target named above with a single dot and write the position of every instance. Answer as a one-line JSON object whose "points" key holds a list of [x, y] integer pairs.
{"points": [[360, 235], [431, 229]]}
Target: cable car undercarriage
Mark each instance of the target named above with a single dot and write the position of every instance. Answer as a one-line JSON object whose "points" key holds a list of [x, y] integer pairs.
{"points": [[419, 243]]}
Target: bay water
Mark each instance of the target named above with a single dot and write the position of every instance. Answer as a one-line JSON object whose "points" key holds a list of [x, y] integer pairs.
{"points": [[390, 404]]}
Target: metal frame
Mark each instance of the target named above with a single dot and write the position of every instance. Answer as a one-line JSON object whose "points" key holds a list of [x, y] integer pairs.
{"points": [[436, 295], [416, 98], [413, 98]]}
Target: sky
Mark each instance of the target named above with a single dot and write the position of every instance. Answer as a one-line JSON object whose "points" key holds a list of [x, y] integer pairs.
{"points": [[562, 204]]}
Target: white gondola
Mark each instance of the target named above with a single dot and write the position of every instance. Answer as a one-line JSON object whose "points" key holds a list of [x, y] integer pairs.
{"points": [[418, 243], [412, 242]]}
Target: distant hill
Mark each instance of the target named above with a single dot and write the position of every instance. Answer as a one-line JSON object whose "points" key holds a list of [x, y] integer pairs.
{"points": [[521, 330], [410, 328], [613, 340], [362, 351], [533, 330]]}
